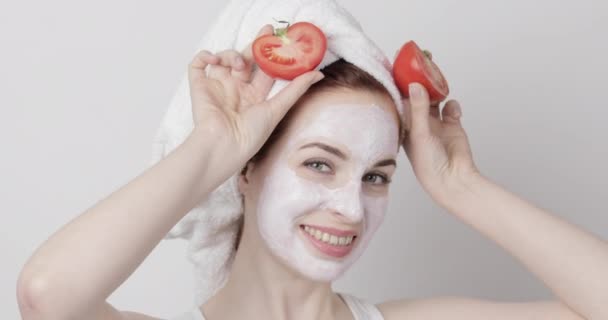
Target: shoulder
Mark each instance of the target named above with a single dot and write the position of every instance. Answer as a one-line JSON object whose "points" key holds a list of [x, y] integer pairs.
{"points": [[108, 312], [466, 308]]}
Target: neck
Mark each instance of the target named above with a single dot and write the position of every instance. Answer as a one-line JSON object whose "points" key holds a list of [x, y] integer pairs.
{"points": [[261, 286]]}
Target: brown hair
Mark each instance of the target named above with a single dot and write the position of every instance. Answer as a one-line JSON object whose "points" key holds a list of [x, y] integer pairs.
{"points": [[339, 74]]}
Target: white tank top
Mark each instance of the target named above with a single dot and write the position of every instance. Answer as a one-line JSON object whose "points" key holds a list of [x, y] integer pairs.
{"points": [[361, 310]]}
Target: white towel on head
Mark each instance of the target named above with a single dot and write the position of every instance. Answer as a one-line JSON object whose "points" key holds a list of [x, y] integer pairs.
{"points": [[211, 227]]}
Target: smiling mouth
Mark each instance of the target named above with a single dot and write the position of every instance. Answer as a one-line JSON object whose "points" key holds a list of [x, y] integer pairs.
{"points": [[330, 244]]}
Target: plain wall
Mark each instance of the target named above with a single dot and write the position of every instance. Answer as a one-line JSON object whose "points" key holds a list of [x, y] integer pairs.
{"points": [[84, 85]]}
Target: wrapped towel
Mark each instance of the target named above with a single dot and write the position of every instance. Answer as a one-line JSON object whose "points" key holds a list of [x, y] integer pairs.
{"points": [[211, 227]]}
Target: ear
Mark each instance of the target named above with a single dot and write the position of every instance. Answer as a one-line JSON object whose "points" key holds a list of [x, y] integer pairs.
{"points": [[244, 177]]}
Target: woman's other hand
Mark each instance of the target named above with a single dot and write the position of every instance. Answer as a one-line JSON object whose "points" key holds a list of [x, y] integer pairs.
{"points": [[436, 144], [229, 99]]}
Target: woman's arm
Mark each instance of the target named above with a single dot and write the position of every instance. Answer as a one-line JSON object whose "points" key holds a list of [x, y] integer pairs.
{"points": [[75, 270], [79, 266], [573, 263]]}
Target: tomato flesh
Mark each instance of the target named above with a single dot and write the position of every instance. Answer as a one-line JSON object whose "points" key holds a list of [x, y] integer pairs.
{"points": [[292, 52], [413, 65]]}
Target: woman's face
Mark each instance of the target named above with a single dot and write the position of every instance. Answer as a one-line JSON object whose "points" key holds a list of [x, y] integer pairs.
{"points": [[322, 189]]}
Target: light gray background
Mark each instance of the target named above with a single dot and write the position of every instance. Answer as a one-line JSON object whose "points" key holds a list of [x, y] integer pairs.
{"points": [[84, 86]]}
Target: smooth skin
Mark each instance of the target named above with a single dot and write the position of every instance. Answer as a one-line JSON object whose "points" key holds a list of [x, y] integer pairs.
{"points": [[70, 276]]}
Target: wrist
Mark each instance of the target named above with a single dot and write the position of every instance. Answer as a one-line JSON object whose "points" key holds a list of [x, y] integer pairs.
{"points": [[216, 153], [461, 189]]}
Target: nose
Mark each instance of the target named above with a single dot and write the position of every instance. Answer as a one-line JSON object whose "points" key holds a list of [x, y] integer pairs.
{"points": [[347, 201]]}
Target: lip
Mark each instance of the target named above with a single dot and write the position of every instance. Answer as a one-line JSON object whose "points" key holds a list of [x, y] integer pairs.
{"points": [[328, 249], [336, 232]]}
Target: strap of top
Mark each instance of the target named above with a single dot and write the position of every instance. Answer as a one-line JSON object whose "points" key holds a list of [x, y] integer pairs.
{"points": [[361, 309], [197, 314], [194, 314]]}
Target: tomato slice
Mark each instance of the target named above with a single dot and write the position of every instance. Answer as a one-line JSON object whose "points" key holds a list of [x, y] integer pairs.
{"points": [[415, 65], [290, 51]]}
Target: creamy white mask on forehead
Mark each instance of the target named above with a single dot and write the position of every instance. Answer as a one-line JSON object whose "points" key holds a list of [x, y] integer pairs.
{"points": [[366, 133]]}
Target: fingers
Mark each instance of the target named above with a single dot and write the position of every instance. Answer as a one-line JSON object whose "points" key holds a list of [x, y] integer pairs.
{"points": [[280, 103], [247, 55], [262, 82], [227, 60], [419, 109], [196, 68], [434, 110], [232, 63], [451, 112], [407, 117], [235, 64]]}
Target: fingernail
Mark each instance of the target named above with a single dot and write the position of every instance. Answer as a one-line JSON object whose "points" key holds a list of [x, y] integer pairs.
{"points": [[415, 91], [238, 61], [457, 111]]}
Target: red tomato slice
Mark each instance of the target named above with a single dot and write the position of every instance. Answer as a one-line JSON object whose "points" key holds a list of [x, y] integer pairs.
{"points": [[414, 65], [291, 51]]}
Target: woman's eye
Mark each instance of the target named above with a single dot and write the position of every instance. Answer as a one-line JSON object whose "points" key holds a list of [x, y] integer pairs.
{"points": [[375, 178], [324, 167], [318, 166]]}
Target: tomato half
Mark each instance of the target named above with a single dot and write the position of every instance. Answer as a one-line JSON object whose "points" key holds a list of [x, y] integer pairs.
{"points": [[415, 65], [290, 51]]}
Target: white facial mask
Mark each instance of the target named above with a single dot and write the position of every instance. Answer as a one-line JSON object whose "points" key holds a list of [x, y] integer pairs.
{"points": [[371, 134]]}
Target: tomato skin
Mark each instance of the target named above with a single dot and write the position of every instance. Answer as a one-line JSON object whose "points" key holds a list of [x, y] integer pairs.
{"points": [[413, 65], [292, 52]]}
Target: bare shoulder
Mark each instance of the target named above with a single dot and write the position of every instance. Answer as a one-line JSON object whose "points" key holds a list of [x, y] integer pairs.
{"points": [[130, 315], [466, 308]]}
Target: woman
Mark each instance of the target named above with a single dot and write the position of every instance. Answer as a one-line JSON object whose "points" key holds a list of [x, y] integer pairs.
{"points": [[316, 162]]}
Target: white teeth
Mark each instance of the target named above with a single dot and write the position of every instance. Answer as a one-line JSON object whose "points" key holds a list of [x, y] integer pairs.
{"points": [[329, 238], [333, 240], [325, 237], [318, 234]]}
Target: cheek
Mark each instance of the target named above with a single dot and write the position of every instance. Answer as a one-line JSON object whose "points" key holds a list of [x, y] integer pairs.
{"points": [[375, 211], [284, 197]]}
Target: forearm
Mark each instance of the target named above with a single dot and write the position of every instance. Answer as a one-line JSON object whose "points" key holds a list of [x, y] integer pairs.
{"points": [[571, 262], [80, 265]]}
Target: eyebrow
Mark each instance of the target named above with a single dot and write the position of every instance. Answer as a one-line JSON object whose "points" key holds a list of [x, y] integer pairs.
{"points": [[325, 147], [341, 155], [387, 162]]}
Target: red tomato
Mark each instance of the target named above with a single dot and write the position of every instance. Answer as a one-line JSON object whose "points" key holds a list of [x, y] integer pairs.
{"points": [[415, 65], [291, 51]]}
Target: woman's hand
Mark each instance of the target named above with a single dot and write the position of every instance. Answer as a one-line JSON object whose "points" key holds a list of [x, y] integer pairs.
{"points": [[437, 145], [228, 99]]}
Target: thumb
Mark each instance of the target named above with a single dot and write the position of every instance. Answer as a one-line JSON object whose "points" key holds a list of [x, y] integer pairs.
{"points": [[419, 109], [280, 103], [451, 112]]}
